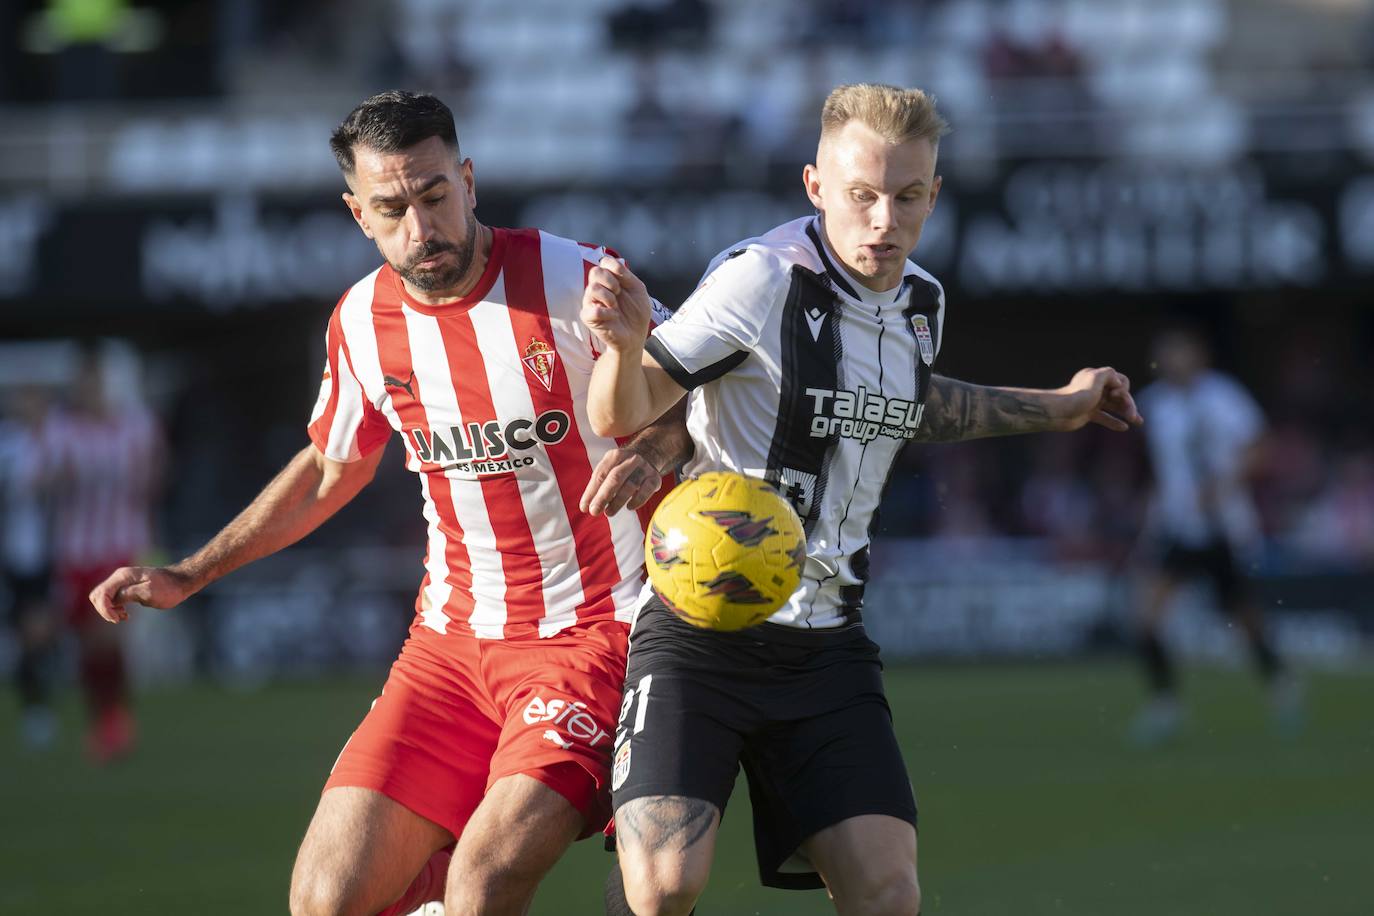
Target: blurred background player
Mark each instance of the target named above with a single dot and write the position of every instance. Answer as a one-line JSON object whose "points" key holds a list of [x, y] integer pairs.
{"points": [[104, 451], [26, 560], [1203, 435]]}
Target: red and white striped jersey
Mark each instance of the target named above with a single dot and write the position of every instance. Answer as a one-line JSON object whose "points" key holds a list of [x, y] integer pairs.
{"points": [[489, 395], [104, 469]]}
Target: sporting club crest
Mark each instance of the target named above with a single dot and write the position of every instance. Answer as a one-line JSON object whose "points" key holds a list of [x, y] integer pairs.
{"points": [[539, 359]]}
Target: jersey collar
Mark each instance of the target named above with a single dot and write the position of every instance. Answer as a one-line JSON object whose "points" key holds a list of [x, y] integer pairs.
{"points": [[838, 276]]}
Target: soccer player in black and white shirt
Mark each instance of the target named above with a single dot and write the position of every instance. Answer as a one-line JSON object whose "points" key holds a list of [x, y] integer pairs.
{"points": [[1204, 428], [809, 354]]}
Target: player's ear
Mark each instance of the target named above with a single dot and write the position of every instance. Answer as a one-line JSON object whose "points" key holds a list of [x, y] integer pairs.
{"points": [[469, 182], [934, 193], [355, 207], [811, 181]]}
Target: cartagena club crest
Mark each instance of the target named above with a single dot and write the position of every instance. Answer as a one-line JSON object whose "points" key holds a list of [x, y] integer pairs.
{"points": [[539, 359]]}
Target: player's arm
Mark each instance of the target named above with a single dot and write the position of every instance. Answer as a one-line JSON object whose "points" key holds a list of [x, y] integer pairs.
{"points": [[956, 410], [629, 389], [628, 476], [308, 490]]}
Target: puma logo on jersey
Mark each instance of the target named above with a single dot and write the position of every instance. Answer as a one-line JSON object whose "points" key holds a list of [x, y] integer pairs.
{"points": [[391, 381], [862, 415]]}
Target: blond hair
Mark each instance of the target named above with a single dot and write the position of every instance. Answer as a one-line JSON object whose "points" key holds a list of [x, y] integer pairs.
{"points": [[895, 114]]}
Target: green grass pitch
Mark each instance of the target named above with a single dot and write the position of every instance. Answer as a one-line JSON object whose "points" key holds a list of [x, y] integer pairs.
{"points": [[1031, 803]]}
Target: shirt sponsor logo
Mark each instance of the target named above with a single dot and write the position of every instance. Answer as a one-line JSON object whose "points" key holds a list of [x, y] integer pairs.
{"points": [[490, 447], [570, 714], [862, 415]]}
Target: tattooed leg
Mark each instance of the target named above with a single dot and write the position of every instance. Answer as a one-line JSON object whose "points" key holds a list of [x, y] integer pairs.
{"points": [[665, 844]]}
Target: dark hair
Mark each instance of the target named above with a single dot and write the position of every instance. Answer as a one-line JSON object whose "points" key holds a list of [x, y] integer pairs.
{"points": [[392, 121]]}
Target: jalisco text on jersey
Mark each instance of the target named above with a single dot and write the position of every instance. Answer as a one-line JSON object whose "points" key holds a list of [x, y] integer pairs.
{"points": [[862, 415], [490, 439]]}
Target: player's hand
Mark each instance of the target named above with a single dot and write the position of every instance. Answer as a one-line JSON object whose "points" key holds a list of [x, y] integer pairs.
{"points": [[151, 586], [1101, 396], [623, 479], [616, 306]]}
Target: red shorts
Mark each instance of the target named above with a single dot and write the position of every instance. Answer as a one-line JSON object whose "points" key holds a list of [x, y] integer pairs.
{"points": [[458, 713]]}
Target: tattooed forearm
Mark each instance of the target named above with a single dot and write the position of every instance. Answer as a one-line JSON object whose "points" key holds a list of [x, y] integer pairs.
{"points": [[659, 822], [665, 443], [957, 410]]}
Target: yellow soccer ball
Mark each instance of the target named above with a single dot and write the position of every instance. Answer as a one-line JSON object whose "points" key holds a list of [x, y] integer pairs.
{"points": [[724, 551]]}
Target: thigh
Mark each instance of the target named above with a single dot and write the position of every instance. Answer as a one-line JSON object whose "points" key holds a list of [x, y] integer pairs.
{"points": [[518, 832], [558, 699], [809, 774], [864, 858], [680, 730], [361, 851], [428, 740]]}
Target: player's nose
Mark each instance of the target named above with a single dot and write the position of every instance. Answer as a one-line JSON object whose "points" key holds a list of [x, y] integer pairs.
{"points": [[883, 214], [418, 225]]}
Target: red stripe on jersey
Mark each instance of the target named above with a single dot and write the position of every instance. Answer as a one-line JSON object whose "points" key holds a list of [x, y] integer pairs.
{"points": [[529, 315], [393, 352], [505, 506]]}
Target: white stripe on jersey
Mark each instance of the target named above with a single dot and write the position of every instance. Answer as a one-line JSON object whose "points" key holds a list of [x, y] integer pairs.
{"points": [[430, 362]]}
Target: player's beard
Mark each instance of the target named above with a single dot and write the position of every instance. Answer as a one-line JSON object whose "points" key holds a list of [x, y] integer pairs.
{"points": [[438, 279]]}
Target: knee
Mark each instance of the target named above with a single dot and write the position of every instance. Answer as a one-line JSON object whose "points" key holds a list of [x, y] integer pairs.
{"points": [[318, 895], [670, 891], [896, 896], [490, 884]]}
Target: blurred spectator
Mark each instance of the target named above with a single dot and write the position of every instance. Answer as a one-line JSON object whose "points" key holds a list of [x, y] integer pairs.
{"points": [[106, 456], [1057, 502], [26, 561], [1338, 526], [661, 24]]}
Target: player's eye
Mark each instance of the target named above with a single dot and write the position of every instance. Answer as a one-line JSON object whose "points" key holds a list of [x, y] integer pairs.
{"points": [[393, 213], [435, 201], [863, 197]]}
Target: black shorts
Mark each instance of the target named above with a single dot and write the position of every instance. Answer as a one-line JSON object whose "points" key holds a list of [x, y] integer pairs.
{"points": [[1213, 561], [803, 711]]}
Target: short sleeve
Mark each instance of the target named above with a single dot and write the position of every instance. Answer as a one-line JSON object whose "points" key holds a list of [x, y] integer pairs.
{"points": [[345, 425], [721, 323]]}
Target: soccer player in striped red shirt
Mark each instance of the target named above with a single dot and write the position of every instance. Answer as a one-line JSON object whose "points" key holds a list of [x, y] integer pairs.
{"points": [[494, 727]]}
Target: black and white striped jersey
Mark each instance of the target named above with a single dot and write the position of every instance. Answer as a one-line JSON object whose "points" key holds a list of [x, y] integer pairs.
{"points": [[801, 376]]}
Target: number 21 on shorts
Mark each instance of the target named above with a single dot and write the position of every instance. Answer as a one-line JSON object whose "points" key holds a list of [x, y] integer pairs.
{"points": [[621, 767]]}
